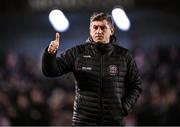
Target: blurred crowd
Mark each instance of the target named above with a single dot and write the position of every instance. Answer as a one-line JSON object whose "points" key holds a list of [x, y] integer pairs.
{"points": [[29, 98], [159, 103]]}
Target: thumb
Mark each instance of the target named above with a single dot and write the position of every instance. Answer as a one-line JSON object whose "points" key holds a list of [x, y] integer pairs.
{"points": [[57, 37]]}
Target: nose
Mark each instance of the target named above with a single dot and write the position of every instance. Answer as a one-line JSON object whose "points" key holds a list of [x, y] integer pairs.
{"points": [[99, 30]]}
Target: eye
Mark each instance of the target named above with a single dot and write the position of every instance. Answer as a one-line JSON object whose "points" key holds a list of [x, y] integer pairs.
{"points": [[102, 27], [95, 27]]}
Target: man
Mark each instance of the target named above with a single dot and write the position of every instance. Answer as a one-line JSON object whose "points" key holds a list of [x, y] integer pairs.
{"points": [[108, 82]]}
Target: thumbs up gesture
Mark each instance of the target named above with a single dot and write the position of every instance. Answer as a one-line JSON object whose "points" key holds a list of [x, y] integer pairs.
{"points": [[54, 45]]}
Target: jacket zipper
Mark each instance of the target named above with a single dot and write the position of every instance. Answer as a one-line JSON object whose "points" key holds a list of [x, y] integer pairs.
{"points": [[101, 90]]}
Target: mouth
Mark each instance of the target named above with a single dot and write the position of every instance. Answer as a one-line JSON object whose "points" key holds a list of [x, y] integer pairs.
{"points": [[99, 36]]}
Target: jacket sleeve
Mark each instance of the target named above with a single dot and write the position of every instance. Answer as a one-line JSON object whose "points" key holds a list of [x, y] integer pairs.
{"points": [[132, 85], [53, 66]]}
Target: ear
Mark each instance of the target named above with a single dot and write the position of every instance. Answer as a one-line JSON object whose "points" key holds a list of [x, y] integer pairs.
{"points": [[90, 30], [112, 31]]}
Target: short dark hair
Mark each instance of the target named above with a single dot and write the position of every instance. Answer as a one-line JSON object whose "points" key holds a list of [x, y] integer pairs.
{"points": [[99, 16]]}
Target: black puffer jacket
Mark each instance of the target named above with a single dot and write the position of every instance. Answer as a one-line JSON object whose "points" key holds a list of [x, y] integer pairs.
{"points": [[108, 82]]}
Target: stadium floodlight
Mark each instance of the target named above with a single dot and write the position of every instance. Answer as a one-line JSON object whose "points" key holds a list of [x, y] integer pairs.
{"points": [[121, 19], [58, 20]]}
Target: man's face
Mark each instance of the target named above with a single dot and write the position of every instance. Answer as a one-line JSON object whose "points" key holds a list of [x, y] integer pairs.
{"points": [[100, 31]]}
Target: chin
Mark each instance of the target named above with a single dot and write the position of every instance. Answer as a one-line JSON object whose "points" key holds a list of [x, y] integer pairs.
{"points": [[99, 42]]}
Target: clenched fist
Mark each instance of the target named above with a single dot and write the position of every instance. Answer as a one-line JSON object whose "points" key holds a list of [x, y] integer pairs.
{"points": [[54, 45]]}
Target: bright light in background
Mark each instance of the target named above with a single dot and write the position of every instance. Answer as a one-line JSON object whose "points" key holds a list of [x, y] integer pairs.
{"points": [[121, 19], [58, 20]]}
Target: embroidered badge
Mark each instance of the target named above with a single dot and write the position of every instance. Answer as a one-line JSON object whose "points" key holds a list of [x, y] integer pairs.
{"points": [[87, 56], [113, 70], [87, 68]]}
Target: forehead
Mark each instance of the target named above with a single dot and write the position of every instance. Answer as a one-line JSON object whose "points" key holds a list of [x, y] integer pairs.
{"points": [[99, 23]]}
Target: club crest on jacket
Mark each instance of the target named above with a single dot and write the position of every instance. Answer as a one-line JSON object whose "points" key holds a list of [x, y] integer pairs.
{"points": [[113, 70]]}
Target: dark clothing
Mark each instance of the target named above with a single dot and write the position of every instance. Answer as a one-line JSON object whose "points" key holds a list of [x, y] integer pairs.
{"points": [[108, 82]]}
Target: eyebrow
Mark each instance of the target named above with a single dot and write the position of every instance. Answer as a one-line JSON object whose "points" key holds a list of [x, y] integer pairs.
{"points": [[99, 25], [105, 26]]}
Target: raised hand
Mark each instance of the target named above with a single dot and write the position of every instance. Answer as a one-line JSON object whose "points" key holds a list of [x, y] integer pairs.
{"points": [[54, 45]]}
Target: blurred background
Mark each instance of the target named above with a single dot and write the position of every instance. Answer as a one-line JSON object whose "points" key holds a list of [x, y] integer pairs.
{"points": [[29, 98]]}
